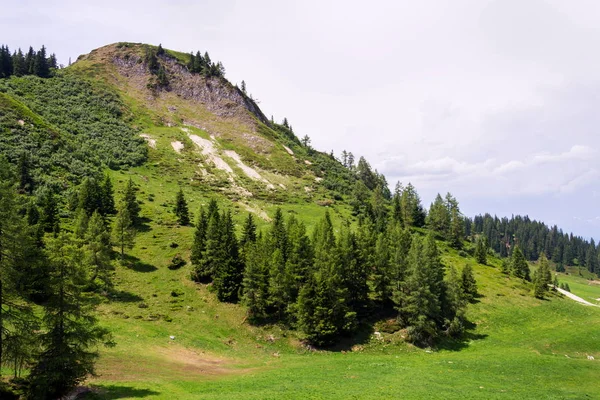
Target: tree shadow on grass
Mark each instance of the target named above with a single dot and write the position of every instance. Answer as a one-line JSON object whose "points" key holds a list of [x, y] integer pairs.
{"points": [[143, 225], [113, 392], [458, 344], [137, 265], [124, 296]]}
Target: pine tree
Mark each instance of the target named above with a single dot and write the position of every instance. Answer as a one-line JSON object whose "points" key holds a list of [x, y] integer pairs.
{"points": [[417, 303], [97, 250], [71, 332], [248, 231], [228, 271], [323, 312], [468, 283], [243, 87], [256, 280], [454, 305], [19, 64], [40, 65], [107, 197], [26, 184], [16, 261], [481, 251], [181, 209], [48, 211], [381, 275], [299, 263], [213, 249], [518, 264], [131, 203], [123, 230], [542, 278], [199, 244], [354, 271]]}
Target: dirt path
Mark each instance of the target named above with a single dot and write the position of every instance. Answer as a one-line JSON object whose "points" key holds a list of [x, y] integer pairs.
{"points": [[576, 298]]}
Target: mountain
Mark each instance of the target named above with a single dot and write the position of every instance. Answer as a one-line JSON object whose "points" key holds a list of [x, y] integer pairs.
{"points": [[168, 122]]}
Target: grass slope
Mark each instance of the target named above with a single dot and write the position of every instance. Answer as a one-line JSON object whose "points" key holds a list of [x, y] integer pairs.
{"points": [[519, 347]]}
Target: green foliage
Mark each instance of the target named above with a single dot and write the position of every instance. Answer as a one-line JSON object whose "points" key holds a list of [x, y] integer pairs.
{"points": [[71, 332], [131, 204], [468, 284], [518, 265], [181, 209], [542, 278], [70, 128], [176, 262], [481, 250], [123, 229]]}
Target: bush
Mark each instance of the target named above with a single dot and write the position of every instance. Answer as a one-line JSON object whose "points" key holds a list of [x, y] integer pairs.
{"points": [[177, 262]]}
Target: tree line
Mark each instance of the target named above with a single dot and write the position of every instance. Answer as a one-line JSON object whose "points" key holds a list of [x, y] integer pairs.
{"points": [[329, 285], [31, 63], [533, 238]]}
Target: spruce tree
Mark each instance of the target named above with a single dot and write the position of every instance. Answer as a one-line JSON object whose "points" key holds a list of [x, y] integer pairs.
{"points": [[228, 270], [213, 251], [256, 280], [354, 271], [454, 305], [40, 65], [518, 264], [542, 278], [181, 209], [48, 211], [481, 251], [199, 244], [468, 283], [417, 302], [131, 203], [107, 197]]}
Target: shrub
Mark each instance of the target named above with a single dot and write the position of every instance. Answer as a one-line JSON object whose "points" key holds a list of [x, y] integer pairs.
{"points": [[177, 262]]}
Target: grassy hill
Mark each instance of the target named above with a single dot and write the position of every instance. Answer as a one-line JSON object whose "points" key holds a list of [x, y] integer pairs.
{"points": [[176, 341]]}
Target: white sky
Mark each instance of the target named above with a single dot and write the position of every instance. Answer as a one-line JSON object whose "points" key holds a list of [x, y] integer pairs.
{"points": [[494, 101]]}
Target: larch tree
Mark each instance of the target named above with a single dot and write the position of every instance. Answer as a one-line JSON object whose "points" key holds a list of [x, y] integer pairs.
{"points": [[71, 334]]}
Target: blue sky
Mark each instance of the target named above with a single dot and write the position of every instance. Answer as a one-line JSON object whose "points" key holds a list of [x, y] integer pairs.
{"points": [[494, 101]]}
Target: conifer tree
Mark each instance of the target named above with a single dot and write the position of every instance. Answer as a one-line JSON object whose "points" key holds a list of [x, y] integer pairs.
{"points": [[16, 243], [256, 280], [124, 231], [354, 271], [228, 271], [71, 332], [518, 264], [199, 244], [248, 231], [48, 211], [131, 203], [542, 278], [323, 312], [416, 302], [213, 250], [299, 261], [97, 250], [181, 209], [481, 251], [454, 305], [381, 276], [468, 283], [19, 65], [26, 184], [107, 197], [40, 66]]}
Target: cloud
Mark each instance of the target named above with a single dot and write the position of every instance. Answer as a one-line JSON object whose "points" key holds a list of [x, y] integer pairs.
{"points": [[558, 173]]}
